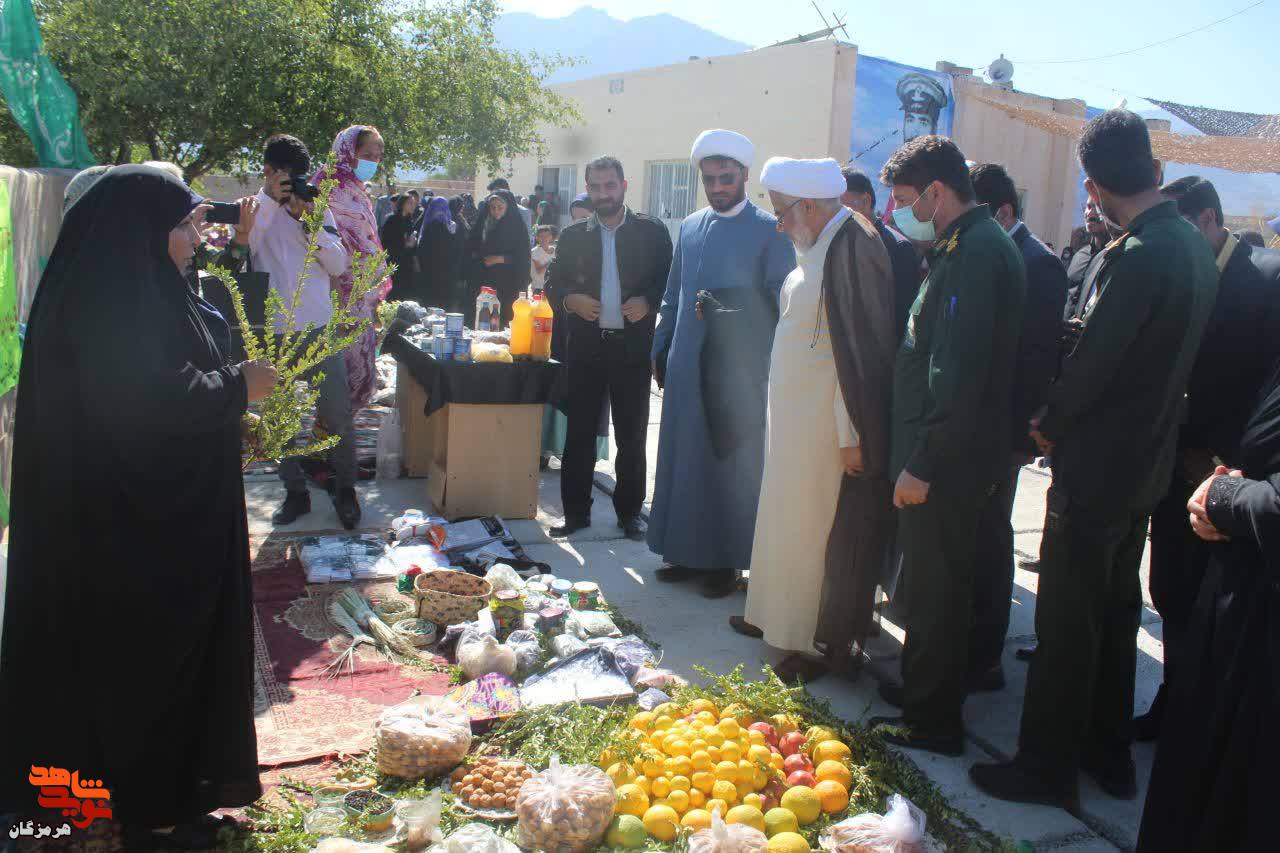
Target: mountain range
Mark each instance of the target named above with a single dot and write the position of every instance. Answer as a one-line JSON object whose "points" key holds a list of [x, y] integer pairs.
{"points": [[605, 45]]}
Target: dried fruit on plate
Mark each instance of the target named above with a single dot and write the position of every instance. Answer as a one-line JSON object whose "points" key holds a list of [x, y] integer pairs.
{"points": [[490, 783]]}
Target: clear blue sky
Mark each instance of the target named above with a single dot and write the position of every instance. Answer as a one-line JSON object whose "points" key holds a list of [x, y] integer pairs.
{"points": [[1233, 65]]}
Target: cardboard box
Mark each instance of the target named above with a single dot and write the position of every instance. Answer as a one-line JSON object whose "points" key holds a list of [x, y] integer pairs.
{"points": [[415, 429], [484, 460]]}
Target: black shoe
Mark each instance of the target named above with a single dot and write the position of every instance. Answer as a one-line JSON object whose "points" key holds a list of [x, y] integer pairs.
{"points": [[1025, 655], [1029, 565], [897, 731], [1008, 781], [569, 527], [1146, 728], [296, 505], [718, 584], [675, 574], [634, 528], [891, 692], [1116, 775], [348, 507], [745, 628], [987, 682]]}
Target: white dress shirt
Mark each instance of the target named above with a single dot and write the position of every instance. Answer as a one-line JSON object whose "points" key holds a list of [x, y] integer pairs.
{"points": [[610, 283], [278, 247]]}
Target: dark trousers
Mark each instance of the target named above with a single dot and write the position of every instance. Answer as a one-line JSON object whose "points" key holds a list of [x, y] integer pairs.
{"points": [[1079, 698], [618, 370], [992, 576], [1178, 562], [937, 539]]}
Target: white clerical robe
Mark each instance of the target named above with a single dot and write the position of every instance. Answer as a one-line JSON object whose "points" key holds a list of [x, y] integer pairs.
{"points": [[808, 423]]}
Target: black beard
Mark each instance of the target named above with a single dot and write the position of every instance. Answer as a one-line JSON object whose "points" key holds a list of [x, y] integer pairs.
{"points": [[721, 207], [607, 209]]}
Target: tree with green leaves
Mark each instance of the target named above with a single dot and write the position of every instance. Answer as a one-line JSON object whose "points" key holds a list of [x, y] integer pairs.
{"points": [[203, 84]]}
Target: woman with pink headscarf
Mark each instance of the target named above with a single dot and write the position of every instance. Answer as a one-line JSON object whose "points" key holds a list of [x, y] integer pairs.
{"points": [[357, 150]]}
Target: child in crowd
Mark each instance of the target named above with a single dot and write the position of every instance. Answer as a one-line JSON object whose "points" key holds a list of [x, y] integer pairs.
{"points": [[544, 251]]}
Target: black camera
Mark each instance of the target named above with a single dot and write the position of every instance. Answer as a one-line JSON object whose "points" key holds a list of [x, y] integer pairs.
{"points": [[301, 189], [223, 213]]}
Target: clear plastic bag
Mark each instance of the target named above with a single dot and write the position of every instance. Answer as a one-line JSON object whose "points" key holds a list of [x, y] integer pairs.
{"points": [[566, 646], [421, 819], [630, 654], [585, 624], [527, 650], [486, 655], [659, 679], [728, 838], [414, 743], [565, 808], [474, 838], [900, 830], [502, 576]]}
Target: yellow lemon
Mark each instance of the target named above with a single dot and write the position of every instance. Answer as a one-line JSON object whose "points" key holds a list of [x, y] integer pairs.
{"points": [[643, 783], [834, 771], [653, 766], [749, 815], [820, 734], [831, 750], [788, 842], [803, 802], [759, 754], [705, 717], [714, 806], [697, 799], [729, 728], [713, 752], [744, 788], [712, 736], [730, 751], [727, 770], [703, 781], [680, 766], [746, 771], [662, 822], [678, 800], [780, 820], [668, 708], [660, 787], [834, 796], [761, 779], [642, 721], [756, 738], [737, 713], [723, 790], [620, 774], [655, 739], [754, 800], [697, 744], [679, 746], [681, 783], [631, 800], [701, 760], [776, 761], [784, 724], [662, 722], [696, 819], [700, 706]]}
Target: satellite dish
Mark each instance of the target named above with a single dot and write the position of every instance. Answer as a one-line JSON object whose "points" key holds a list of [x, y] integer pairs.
{"points": [[1000, 73]]}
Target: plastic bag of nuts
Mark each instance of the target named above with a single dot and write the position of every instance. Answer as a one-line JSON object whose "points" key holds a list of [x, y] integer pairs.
{"points": [[565, 809], [414, 743]]}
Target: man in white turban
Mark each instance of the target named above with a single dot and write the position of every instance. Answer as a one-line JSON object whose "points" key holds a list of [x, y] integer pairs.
{"points": [[825, 503], [711, 352]]}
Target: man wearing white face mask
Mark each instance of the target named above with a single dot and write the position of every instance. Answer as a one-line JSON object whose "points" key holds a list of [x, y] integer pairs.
{"points": [[951, 430]]}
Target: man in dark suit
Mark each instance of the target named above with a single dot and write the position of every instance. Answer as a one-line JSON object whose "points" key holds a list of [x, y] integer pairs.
{"points": [[612, 268], [1037, 365], [860, 197]]}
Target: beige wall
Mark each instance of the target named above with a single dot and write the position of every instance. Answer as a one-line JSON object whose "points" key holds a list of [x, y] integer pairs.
{"points": [[794, 100], [1042, 164]]}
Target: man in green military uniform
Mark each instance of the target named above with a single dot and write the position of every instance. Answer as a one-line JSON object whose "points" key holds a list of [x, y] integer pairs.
{"points": [[1112, 422], [952, 392]]}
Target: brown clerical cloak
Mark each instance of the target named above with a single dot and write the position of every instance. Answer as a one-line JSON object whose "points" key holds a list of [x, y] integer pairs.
{"points": [[858, 290]]}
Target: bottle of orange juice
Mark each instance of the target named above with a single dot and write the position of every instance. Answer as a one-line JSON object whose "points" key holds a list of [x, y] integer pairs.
{"points": [[521, 327], [543, 317]]}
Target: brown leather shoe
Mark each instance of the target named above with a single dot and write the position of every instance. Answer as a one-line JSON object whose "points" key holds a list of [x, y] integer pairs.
{"points": [[745, 628], [801, 668]]}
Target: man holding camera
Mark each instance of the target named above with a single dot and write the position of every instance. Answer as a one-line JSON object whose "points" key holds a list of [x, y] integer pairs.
{"points": [[278, 241]]}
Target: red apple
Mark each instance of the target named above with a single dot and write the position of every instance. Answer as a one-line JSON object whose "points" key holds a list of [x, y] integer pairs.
{"points": [[791, 743], [801, 777], [770, 734], [798, 761]]}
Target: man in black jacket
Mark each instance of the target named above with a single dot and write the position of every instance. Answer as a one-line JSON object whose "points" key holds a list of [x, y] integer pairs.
{"points": [[1037, 365], [1236, 356], [612, 268], [860, 197]]}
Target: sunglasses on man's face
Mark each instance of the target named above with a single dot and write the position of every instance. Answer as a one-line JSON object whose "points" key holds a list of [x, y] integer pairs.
{"points": [[725, 179]]}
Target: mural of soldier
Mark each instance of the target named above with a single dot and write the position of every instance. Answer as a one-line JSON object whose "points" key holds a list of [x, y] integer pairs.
{"points": [[922, 101]]}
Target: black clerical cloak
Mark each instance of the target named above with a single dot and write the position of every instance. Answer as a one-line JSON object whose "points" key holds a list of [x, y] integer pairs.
{"points": [[128, 648]]}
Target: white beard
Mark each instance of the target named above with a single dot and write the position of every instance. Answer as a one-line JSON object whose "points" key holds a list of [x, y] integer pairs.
{"points": [[802, 239]]}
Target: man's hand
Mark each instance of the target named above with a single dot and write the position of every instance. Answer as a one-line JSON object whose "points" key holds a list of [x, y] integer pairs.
{"points": [[259, 378], [1044, 444], [280, 188], [909, 491], [248, 215], [851, 458], [298, 208], [494, 260], [1200, 523], [635, 309], [584, 306]]}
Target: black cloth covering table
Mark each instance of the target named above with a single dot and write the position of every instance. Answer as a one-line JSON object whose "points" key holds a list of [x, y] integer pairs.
{"points": [[523, 382]]}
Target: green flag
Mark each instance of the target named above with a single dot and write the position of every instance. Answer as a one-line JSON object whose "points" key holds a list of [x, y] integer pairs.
{"points": [[41, 101]]}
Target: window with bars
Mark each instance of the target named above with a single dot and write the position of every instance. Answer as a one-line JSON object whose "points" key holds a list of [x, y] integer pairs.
{"points": [[673, 192]]}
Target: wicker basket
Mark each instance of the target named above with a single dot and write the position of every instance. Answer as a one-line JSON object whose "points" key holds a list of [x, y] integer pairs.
{"points": [[420, 632], [391, 610], [449, 598]]}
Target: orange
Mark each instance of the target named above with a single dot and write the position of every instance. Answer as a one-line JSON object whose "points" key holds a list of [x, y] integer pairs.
{"points": [[662, 822], [724, 790], [835, 771], [749, 815], [703, 781], [831, 750], [834, 796], [696, 819]]}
